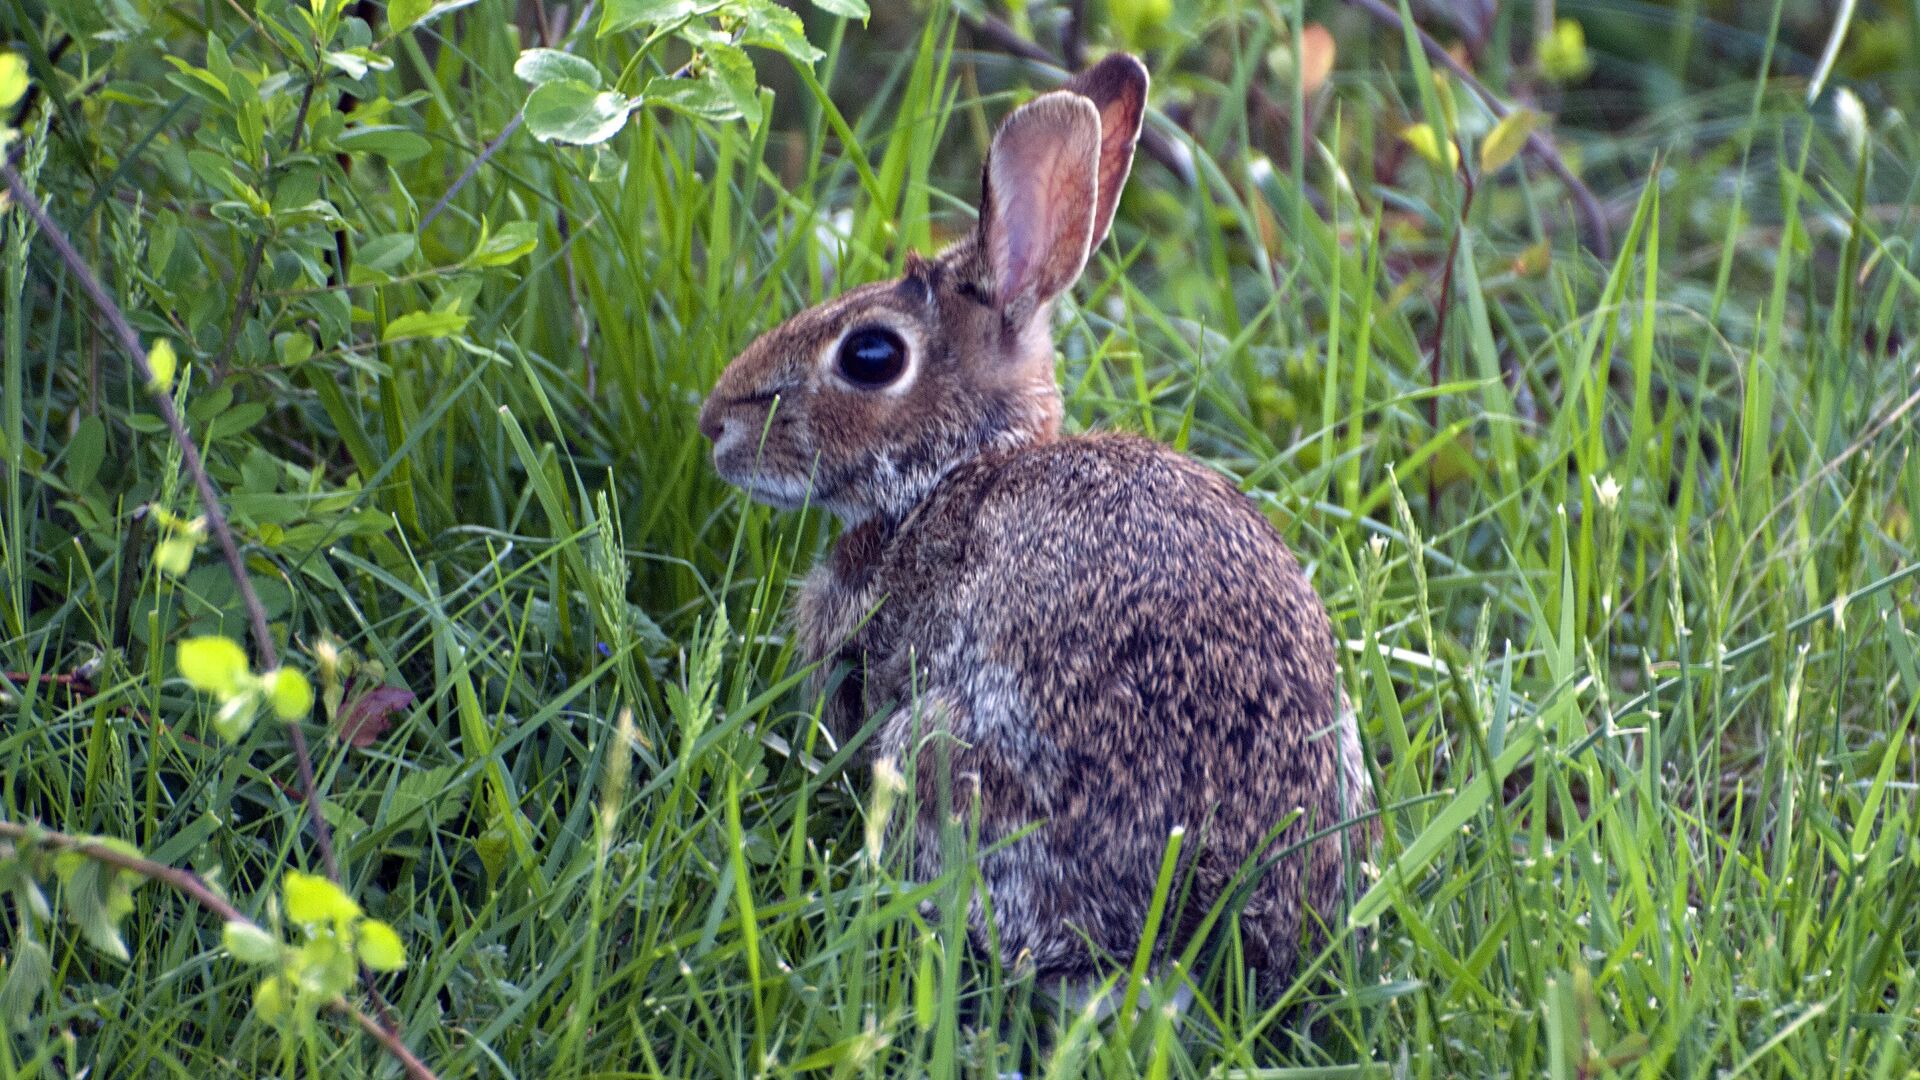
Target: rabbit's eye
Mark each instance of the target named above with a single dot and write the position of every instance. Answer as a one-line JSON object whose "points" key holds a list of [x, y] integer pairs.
{"points": [[872, 356]]}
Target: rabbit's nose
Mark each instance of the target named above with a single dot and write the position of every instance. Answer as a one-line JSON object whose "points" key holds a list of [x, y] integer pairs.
{"points": [[712, 423]]}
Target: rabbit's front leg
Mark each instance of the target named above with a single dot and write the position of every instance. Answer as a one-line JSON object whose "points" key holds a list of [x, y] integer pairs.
{"points": [[973, 787]]}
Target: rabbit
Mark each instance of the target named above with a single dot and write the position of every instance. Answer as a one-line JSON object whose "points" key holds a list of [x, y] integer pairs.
{"points": [[1092, 633]]}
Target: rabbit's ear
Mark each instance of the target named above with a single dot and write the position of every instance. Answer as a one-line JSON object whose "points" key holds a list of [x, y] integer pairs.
{"points": [[1117, 86], [1037, 202]]}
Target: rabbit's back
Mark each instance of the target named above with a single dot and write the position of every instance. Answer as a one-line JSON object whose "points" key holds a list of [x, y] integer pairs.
{"points": [[1118, 643]]}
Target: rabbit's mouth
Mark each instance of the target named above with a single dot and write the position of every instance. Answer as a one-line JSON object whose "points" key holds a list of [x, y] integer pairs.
{"points": [[779, 492]]}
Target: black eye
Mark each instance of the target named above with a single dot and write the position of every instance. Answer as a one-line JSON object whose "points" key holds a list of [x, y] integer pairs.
{"points": [[872, 356]]}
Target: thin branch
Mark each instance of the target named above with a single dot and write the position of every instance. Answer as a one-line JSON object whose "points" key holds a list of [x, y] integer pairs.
{"points": [[473, 167], [1172, 156], [387, 1038], [1073, 35], [513, 125], [1440, 320], [1592, 214], [1008, 40], [243, 300], [195, 888], [129, 341], [185, 882]]}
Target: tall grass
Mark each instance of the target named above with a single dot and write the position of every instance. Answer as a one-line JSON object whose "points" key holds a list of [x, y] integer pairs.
{"points": [[1629, 631]]}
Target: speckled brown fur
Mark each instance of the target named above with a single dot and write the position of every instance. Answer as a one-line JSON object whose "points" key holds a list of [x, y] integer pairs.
{"points": [[1094, 633]]}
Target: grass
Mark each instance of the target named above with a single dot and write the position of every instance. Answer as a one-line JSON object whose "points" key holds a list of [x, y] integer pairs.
{"points": [[1629, 629]]}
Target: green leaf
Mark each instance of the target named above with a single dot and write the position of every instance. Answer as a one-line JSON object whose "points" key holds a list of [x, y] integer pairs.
{"points": [[733, 70], [770, 26], [355, 63], [571, 111], [199, 82], [514, 240], [290, 692], [293, 347], [235, 421], [846, 9], [13, 79], [314, 901], [621, 15], [270, 999], [86, 451], [98, 895], [402, 14], [494, 846], [390, 141], [424, 324], [249, 944], [382, 253], [542, 66], [430, 794], [926, 987], [378, 946], [1505, 141], [706, 96], [214, 665], [29, 971]]}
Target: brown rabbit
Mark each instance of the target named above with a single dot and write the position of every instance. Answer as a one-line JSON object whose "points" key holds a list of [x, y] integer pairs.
{"points": [[1093, 633]]}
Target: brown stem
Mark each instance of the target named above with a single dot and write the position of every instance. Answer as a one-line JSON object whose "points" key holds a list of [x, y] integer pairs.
{"points": [[1592, 214], [582, 326], [194, 887], [513, 125], [387, 1038], [185, 882], [1073, 39], [1153, 142], [473, 167], [129, 341], [1440, 322]]}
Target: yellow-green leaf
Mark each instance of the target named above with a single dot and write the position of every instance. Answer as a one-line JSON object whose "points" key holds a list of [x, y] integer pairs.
{"points": [[270, 999], [424, 324], [925, 988], [174, 555], [290, 692], [1563, 53], [379, 946], [313, 900], [1139, 22], [249, 944], [1504, 142], [1426, 142], [514, 240], [162, 363], [235, 718], [13, 79], [214, 665]]}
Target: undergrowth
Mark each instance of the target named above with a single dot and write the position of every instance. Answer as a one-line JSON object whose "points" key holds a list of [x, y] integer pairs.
{"points": [[1617, 533]]}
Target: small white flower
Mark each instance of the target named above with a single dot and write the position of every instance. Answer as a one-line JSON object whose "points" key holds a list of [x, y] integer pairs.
{"points": [[1607, 489]]}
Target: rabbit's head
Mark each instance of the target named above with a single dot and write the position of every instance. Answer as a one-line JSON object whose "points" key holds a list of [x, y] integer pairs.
{"points": [[863, 403]]}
